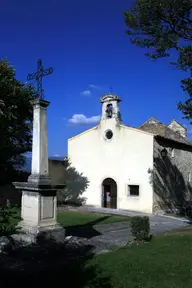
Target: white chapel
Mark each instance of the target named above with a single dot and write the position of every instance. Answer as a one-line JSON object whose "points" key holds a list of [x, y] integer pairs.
{"points": [[117, 159]]}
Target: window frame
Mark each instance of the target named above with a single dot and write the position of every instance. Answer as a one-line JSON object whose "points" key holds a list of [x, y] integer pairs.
{"points": [[129, 190]]}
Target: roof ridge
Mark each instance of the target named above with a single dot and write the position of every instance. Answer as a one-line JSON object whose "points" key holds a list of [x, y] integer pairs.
{"points": [[177, 123], [150, 120], [167, 130]]}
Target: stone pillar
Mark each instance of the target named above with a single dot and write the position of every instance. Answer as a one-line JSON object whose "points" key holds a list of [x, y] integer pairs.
{"points": [[39, 200], [40, 165]]}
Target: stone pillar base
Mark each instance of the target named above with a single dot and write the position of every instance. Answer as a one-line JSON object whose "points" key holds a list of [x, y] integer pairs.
{"points": [[38, 213]]}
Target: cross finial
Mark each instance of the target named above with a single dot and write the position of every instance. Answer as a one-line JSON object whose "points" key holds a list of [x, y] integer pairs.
{"points": [[38, 77]]}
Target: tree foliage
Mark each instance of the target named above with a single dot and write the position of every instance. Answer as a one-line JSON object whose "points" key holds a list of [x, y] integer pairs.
{"points": [[164, 27], [9, 218], [15, 121]]}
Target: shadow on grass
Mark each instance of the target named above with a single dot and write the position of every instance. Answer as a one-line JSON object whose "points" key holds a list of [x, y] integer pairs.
{"points": [[52, 264], [86, 230]]}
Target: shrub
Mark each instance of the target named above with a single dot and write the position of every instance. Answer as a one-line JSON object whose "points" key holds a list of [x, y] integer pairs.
{"points": [[140, 228], [9, 218]]}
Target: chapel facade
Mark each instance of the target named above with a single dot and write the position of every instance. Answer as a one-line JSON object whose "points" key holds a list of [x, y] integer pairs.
{"points": [[146, 169]]}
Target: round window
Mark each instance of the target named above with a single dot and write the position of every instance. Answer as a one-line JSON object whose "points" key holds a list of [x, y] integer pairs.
{"points": [[108, 134]]}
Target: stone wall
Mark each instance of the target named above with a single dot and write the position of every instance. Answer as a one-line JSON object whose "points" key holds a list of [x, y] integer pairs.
{"points": [[61, 173], [57, 171], [171, 176]]}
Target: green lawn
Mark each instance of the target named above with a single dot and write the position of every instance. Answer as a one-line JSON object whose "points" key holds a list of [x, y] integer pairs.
{"points": [[72, 218], [165, 262]]}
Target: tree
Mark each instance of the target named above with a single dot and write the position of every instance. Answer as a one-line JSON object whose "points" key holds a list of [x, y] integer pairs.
{"points": [[164, 27], [15, 121]]}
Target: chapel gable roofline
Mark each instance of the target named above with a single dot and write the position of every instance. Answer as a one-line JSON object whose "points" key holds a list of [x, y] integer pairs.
{"points": [[84, 132], [136, 129], [110, 97]]}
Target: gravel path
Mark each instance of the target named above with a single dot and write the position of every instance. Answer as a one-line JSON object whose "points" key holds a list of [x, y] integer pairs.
{"points": [[108, 236]]}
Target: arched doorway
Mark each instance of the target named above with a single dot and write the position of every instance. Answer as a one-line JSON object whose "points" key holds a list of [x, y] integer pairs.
{"points": [[109, 193]]}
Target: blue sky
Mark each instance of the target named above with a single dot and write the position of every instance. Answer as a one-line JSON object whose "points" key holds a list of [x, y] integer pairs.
{"points": [[85, 43]]}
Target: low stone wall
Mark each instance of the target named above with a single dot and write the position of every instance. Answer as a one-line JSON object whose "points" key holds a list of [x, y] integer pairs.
{"points": [[57, 171], [9, 193]]}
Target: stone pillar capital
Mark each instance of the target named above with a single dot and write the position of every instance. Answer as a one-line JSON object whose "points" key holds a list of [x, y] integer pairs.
{"points": [[40, 103]]}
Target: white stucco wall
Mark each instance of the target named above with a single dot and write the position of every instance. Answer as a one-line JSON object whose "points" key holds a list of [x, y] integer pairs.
{"points": [[126, 159]]}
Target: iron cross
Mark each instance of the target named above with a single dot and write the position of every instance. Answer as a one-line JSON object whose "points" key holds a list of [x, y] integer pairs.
{"points": [[38, 77]]}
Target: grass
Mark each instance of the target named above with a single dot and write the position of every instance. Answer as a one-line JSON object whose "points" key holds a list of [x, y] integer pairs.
{"points": [[79, 218], [72, 218], [162, 263], [165, 262]]}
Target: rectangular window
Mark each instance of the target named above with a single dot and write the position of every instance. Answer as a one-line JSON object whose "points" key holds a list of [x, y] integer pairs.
{"points": [[189, 177], [133, 190]]}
